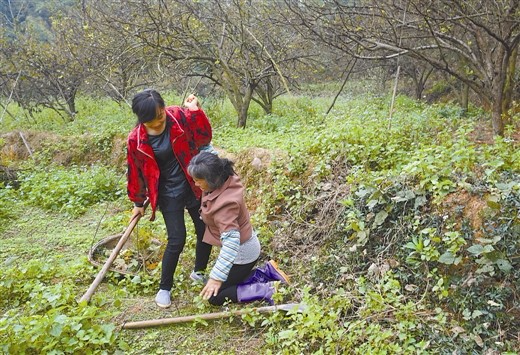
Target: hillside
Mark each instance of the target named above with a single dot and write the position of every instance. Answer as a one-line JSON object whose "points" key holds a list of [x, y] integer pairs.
{"points": [[400, 235]]}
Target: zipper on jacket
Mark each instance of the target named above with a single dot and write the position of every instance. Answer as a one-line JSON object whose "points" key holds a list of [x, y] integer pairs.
{"points": [[139, 144]]}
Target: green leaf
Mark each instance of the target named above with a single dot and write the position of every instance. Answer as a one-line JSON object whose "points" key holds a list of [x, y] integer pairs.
{"points": [[492, 201], [136, 279], [410, 245], [380, 217], [404, 196], [476, 313], [362, 237], [56, 330], [476, 249], [486, 269], [372, 203], [420, 201], [448, 258], [61, 319], [124, 345], [287, 334], [504, 265], [362, 193], [347, 202]]}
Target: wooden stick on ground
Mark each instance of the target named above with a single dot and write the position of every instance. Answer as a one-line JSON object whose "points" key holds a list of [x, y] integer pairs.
{"points": [[111, 258], [211, 316], [26, 144]]}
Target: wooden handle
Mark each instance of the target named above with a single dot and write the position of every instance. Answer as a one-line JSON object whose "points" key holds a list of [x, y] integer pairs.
{"points": [[112, 257], [210, 316]]}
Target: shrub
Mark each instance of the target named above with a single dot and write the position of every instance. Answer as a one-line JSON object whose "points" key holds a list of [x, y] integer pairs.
{"points": [[70, 190], [44, 316]]}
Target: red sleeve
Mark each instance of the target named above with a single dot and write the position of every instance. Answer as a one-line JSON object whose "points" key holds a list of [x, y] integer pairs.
{"points": [[195, 123], [202, 133], [136, 187]]}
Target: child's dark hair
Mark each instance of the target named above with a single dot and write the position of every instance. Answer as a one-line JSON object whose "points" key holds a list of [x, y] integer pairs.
{"points": [[210, 167], [145, 104]]}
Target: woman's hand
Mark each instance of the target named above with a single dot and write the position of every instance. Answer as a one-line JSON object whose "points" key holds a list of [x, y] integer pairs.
{"points": [[137, 211], [210, 289], [192, 103]]}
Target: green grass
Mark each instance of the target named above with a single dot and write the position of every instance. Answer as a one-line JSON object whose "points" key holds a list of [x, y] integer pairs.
{"points": [[61, 242], [38, 235], [394, 190]]}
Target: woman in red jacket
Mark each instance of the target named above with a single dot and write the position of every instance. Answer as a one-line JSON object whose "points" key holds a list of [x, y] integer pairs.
{"points": [[228, 225], [159, 150]]}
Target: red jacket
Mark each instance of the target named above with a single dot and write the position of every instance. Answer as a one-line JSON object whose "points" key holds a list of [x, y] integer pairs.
{"points": [[189, 131]]}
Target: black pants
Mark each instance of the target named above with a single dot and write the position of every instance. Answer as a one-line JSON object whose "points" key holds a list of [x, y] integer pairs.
{"points": [[228, 290], [173, 213]]}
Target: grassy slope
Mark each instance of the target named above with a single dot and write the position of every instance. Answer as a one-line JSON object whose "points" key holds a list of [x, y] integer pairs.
{"points": [[39, 235], [34, 234]]}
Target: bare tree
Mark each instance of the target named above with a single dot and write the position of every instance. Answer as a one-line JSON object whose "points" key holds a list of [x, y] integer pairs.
{"points": [[419, 72], [49, 78], [33, 52], [118, 63], [230, 42], [473, 41]]}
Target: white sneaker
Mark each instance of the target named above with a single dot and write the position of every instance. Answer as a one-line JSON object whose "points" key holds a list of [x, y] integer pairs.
{"points": [[162, 299], [198, 277]]}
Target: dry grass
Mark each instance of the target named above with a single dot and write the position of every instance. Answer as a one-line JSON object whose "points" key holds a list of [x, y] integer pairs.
{"points": [[470, 206]]}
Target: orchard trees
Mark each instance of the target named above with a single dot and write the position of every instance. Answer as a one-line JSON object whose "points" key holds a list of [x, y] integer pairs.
{"points": [[474, 41], [234, 44]]}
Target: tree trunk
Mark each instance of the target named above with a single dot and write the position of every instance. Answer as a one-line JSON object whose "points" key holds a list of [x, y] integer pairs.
{"points": [[268, 109], [419, 88], [384, 77], [499, 90], [418, 85], [70, 97], [465, 97], [496, 119], [240, 102], [235, 92], [245, 102], [421, 84], [509, 86], [268, 103], [265, 93], [497, 110]]}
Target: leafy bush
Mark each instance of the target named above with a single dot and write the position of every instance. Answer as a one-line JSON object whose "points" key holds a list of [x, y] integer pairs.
{"points": [[373, 317], [43, 315], [410, 187], [7, 199], [70, 190], [403, 231]]}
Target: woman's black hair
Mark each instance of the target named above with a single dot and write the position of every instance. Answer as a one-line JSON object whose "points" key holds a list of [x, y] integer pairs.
{"points": [[145, 104], [210, 167]]}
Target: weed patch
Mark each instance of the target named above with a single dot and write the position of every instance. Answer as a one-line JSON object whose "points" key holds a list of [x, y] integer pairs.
{"points": [[400, 236]]}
